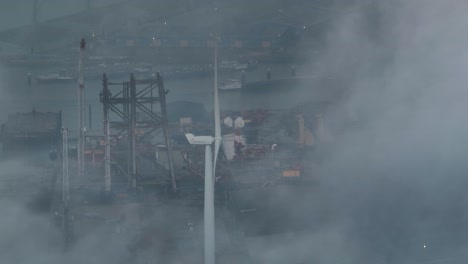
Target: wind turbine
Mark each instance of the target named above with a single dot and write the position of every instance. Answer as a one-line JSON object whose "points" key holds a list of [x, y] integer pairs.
{"points": [[210, 168]]}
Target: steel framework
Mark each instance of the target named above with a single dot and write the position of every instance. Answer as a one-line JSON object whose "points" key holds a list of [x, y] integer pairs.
{"points": [[130, 117]]}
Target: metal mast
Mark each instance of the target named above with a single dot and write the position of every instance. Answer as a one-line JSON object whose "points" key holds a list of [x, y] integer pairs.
{"points": [[167, 135], [107, 169], [90, 118], [81, 110], [133, 117], [65, 179]]}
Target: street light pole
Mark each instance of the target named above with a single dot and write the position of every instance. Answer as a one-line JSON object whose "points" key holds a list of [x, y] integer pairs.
{"points": [[65, 189]]}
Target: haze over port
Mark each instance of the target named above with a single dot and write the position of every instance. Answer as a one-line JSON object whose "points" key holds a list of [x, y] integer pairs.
{"points": [[343, 131]]}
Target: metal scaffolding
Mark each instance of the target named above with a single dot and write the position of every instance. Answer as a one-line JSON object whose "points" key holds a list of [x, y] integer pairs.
{"points": [[131, 123]]}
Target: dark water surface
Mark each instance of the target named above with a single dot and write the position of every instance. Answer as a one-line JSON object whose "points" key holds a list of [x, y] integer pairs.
{"points": [[16, 96]]}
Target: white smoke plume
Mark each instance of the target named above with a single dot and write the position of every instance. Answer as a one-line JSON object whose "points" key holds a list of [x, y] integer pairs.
{"points": [[392, 183]]}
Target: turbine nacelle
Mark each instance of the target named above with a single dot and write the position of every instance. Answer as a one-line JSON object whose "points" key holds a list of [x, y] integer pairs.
{"points": [[199, 140]]}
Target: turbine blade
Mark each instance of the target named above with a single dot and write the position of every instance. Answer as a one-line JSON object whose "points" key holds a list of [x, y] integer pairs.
{"points": [[217, 120]]}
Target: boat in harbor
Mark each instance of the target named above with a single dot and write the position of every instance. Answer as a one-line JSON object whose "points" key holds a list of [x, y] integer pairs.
{"points": [[230, 85], [232, 66], [284, 83], [60, 77]]}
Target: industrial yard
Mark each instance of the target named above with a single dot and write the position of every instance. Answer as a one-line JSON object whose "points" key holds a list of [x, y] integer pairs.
{"points": [[130, 179]]}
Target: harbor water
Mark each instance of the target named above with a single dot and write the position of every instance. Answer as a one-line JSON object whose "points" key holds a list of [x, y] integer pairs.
{"points": [[18, 96]]}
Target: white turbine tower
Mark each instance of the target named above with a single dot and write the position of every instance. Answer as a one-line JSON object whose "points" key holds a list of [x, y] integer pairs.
{"points": [[210, 168], [210, 251]]}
